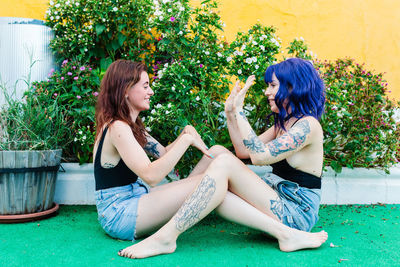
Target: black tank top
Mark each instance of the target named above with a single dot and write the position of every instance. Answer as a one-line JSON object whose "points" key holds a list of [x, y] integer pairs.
{"points": [[119, 175], [285, 171]]}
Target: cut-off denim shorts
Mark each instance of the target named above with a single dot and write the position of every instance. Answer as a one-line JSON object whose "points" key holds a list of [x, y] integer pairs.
{"points": [[300, 205], [117, 209]]}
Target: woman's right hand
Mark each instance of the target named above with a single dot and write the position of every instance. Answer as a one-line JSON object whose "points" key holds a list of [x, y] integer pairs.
{"points": [[197, 142]]}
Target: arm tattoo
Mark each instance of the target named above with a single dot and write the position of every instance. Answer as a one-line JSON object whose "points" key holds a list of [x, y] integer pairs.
{"points": [[151, 148], [277, 207], [253, 143], [241, 113], [293, 139], [108, 165], [189, 214]]}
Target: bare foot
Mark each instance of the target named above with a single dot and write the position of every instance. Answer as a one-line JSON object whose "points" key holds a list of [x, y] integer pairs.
{"points": [[296, 240], [151, 246]]}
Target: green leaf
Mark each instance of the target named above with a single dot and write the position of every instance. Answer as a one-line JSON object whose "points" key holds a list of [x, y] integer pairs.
{"points": [[121, 39], [100, 28], [104, 63]]}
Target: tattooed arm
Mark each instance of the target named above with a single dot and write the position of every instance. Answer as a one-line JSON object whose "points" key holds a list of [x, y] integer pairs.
{"points": [[295, 139], [154, 148]]}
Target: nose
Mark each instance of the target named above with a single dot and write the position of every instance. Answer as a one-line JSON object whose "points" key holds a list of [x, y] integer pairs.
{"points": [[267, 91], [151, 92]]}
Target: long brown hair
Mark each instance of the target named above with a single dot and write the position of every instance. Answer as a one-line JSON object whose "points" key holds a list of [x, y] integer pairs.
{"points": [[111, 103]]}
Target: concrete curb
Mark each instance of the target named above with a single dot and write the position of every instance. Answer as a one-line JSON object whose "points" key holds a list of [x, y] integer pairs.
{"points": [[75, 185]]}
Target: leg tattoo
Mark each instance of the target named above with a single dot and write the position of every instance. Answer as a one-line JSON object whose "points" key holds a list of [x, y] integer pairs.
{"points": [[277, 207], [188, 215]]}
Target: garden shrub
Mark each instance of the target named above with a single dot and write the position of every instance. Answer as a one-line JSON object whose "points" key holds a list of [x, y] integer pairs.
{"points": [[192, 67]]}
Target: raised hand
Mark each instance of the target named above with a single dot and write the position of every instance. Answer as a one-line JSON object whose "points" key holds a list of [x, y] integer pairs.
{"points": [[229, 102], [241, 95]]}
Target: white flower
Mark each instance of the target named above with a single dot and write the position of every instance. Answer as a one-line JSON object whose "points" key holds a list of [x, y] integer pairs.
{"points": [[254, 43], [57, 17], [180, 32], [301, 38], [115, 9], [169, 10], [90, 27], [84, 137], [228, 59], [181, 8], [240, 53], [158, 106], [51, 3], [262, 47], [103, 19], [75, 139], [51, 18], [249, 60], [219, 54], [396, 115], [165, 1], [239, 72], [254, 59], [207, 53], [80, 132], [169, 105], [161, 17], [67, 3], [173, 88], [166, 112], [223, 25], [153, 111], [257, 67], [197, 98], [77, 4], [243, 47], [57, 5]]}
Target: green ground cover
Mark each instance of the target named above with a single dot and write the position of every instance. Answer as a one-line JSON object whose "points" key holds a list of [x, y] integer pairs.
{"points": [[359, 235]]}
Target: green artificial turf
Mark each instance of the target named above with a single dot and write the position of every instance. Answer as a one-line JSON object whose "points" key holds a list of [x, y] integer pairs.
{"points": [[359, 235]]}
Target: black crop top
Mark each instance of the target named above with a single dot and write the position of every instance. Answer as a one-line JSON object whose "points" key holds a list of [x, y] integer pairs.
{"points": [[119, 175], [285, 171]]}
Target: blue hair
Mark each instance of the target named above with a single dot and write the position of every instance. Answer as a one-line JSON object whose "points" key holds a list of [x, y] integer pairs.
{"points": [[301, 85]]}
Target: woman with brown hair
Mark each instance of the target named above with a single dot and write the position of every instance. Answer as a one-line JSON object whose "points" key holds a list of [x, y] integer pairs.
{"points": [[127, 209]]}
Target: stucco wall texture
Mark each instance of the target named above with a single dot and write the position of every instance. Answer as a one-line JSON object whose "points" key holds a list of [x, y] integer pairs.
{"points": [[366, 30]]}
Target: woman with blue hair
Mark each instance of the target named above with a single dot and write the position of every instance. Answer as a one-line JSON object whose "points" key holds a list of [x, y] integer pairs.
{"points": [[283, 203]]}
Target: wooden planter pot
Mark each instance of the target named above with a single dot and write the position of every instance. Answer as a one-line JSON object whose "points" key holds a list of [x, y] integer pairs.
{"points": [[27, 181]]}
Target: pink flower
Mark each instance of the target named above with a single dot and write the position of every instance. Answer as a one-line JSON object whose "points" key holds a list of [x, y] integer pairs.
{"points": [[172, 19], [62, 78], [78, 96], [201, 65], [69, 73], [95, 94], [55, 94], [65, 62], [76, 78], [90, 69], [73, 67], [82, 68]]}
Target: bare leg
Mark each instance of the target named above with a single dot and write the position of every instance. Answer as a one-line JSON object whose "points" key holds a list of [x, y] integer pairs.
{"points": [[205, 161], [209, 194]]}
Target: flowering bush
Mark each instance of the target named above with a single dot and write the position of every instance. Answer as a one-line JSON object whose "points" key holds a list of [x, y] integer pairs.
{"points": [[192, 68], [75, 87], [359, 123]]}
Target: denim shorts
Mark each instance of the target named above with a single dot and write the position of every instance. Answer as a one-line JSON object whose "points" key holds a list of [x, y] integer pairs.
{"points": [[300, 205], [117, 209]]}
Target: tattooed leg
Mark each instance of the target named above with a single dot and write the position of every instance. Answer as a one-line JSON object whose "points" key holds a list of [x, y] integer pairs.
{"points": [[189, 214], [277, 207], [208, 194]]}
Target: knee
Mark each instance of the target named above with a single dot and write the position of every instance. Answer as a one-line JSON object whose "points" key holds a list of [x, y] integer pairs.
{"points": [[223, 160], [218, 150]]}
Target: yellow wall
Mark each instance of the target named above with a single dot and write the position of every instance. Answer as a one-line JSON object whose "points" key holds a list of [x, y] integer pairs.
{"points": [[366, 30]]}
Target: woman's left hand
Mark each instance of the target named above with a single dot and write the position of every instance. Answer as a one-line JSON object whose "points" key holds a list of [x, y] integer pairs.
{"points": [[241, 95]]}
